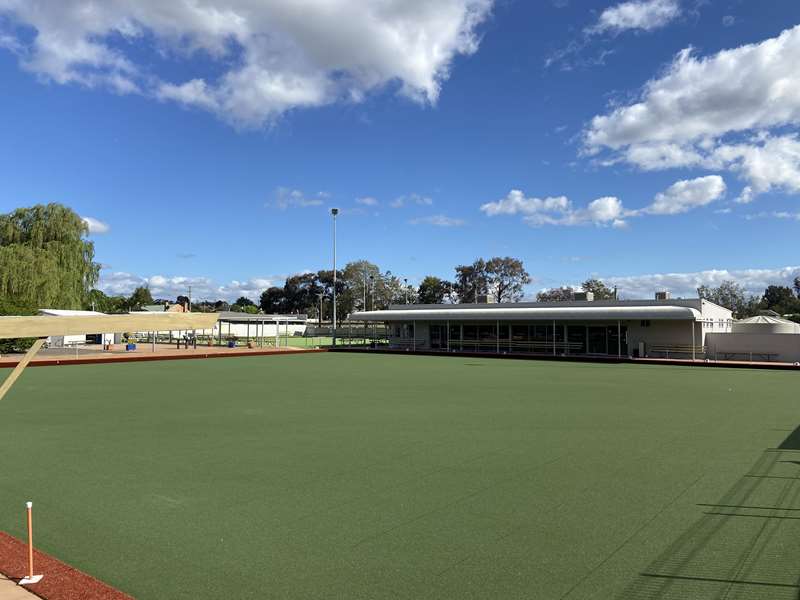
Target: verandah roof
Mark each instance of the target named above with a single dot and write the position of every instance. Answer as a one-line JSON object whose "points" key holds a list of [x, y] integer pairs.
{"points": [[574, 313]]}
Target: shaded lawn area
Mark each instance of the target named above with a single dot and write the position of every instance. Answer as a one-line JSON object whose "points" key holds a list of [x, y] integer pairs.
{"points": [[369, 476]]}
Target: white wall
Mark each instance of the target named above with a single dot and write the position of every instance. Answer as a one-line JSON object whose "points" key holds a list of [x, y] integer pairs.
{"points": [[785, 345], [662, 333]]}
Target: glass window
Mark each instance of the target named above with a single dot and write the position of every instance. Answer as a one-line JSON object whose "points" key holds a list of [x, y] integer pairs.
{"points": [[519, 333], [455, 332], [487, 333]]}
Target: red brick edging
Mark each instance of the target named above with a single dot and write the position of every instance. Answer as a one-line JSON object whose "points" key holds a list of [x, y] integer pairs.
{"points": [[61, 582], [147, 357]]}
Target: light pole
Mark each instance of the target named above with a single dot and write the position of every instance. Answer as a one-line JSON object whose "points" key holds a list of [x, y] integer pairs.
{"points": [[405, 281], [372, 291], [365, 289], [334, 212]]}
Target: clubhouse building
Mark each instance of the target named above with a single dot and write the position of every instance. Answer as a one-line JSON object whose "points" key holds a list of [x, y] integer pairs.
{"points": [[663, 327]]}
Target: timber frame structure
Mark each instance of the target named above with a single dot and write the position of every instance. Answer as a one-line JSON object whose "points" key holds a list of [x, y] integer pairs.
{"points": [[43, 326]]}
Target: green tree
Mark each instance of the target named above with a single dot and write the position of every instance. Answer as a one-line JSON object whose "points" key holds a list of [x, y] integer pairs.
{"points": [[243, 301], [471, 281], [781, 299], [273, 301], [45, 258], [433, 290], [506, 278], [140, 297], [729, 294], [99, 301], [599, 289], [301, 293], [559, 294]]}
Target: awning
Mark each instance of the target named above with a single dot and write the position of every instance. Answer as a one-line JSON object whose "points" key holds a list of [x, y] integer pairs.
{"points": [[572, 313]]}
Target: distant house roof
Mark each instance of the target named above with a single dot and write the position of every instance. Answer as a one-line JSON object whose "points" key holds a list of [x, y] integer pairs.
{"points": [[152, 308], [60, 312]]}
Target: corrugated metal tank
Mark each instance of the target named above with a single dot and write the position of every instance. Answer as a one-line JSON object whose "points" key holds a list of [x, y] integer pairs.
{"points": [[765, 324]]}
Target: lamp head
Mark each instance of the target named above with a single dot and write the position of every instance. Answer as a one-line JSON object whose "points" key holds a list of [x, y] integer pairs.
{"points": [[334, 211]]}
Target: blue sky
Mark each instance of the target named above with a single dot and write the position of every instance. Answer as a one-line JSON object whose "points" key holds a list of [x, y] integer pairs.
{"points": [[651, 142]]}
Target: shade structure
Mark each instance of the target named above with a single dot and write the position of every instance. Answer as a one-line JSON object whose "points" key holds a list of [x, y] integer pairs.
{"points": [[44, 326]]}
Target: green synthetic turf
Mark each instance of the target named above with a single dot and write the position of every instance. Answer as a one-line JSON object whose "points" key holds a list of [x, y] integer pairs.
{"points": [[357, 476]]}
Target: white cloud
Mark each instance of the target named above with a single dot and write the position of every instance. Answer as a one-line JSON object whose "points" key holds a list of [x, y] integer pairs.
{"points": [[367, 201], [685, 195], [752, 86], [438, 221], [680, 197], [686, 284], [557, 210], [728, 21], [687, 117], [203, 288], [273, 55], [644, 15], [95, 225], [417, 199], [288, 198], [784, 215]]}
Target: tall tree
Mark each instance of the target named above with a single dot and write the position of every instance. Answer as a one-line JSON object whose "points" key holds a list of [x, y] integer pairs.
{"points": [[471, 281], [99, 301], [796, 285], [273, 300], [506, 278], [729, 294], [781, 299], [140, 297], [599, 289], [244, 301], [45, 258], [301, 292], [433, 290]]}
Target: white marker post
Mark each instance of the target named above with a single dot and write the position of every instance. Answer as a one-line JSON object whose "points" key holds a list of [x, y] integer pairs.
{"points": [[31, 578]]}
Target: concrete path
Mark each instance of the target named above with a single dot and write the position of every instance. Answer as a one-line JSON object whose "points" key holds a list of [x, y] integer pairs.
{"points": [[9, 590]]}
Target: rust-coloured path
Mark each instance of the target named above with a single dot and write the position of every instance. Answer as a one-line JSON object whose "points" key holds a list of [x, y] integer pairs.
{"points": [[61, 582], [144, 352]]}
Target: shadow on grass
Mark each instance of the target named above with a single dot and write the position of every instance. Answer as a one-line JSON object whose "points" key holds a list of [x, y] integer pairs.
{"points": [[723, 556], [792, 441]]}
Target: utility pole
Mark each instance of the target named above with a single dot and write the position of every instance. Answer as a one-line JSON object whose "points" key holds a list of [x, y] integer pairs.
{"points": [[190, 298], [405, 281]]}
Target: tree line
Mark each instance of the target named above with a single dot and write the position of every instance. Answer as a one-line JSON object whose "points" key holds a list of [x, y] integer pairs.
{"points": [[46, 259]]}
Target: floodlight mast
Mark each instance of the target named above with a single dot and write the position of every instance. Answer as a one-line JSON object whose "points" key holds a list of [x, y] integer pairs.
{"points": [[334, 212]]}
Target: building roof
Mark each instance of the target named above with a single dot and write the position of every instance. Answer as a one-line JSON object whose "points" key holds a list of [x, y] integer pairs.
{"points": [[566, 311]]}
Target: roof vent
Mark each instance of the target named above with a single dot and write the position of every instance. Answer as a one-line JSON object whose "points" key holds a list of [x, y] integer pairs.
{"points": [[665, 295], [583, 296]]}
